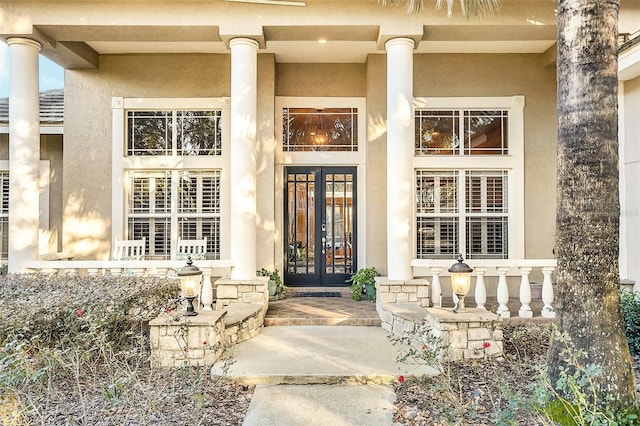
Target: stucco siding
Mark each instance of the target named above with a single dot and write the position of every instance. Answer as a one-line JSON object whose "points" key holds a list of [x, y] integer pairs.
{"points": [[507, 75], [266, 237], [51, 149], [377, 162], [88, 135], [320, 80]]}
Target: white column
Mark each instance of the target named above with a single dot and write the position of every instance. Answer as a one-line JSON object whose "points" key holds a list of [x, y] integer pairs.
{"points": [[400, 149], [244, 83], [24, 152]]}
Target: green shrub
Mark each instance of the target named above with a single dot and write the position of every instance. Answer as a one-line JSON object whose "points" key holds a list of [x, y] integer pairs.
{"points": [[631, 314], [72, 310], [574, 399], [363, 281]]}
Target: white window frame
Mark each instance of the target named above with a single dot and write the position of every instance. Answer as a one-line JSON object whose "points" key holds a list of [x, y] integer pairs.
{"points": [[513, 163], [121, 163]]}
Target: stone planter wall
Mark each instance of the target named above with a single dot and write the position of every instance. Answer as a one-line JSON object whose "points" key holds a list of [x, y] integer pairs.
{"points": [[246, 291], [200, 340], [473, 334], [244, 321], [410, 291], [178, 340]]}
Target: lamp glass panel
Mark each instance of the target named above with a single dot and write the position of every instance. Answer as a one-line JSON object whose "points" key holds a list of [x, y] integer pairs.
{"points": [[460, 282], [190, 285]]}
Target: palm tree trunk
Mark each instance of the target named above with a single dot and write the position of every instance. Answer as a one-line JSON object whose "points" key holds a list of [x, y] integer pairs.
{"points": [[588, 306]]}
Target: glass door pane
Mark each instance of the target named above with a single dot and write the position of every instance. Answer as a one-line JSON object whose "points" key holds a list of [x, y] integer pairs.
{"points": [[301, 222], [339, 223]]}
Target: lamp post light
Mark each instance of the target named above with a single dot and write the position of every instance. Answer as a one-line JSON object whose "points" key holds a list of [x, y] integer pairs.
{"points": [[460, 281], [190, 285]]}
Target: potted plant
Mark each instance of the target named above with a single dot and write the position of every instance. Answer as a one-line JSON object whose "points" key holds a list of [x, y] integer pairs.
{"points": [[276, 287], [363, 282]]}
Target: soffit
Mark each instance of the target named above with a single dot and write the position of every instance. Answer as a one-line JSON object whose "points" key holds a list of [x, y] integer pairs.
{"points": [[629, 63], [289, 43]]}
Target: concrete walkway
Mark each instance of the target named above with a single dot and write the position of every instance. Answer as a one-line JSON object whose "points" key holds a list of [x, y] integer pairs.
{"points": [[319, 375]]}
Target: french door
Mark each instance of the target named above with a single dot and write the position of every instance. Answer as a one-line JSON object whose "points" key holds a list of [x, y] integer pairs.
{"points": [[320, 225]]}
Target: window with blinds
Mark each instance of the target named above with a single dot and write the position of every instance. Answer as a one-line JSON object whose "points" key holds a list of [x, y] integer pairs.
{"points": [[4, 215], [163, 201], [486, 214], [461, 211]]}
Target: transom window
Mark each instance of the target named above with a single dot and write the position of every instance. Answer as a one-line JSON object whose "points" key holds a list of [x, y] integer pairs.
{"points": [[462, 211], [461, 132], [175, 132], [164, 206], [321, 129]]}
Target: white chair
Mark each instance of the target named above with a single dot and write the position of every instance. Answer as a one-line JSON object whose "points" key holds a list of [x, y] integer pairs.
{"points": [[129, 249], [196, 249]]}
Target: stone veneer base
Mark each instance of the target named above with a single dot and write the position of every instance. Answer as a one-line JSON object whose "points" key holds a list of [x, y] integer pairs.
{"points": [[200, 340], [472, 334]]}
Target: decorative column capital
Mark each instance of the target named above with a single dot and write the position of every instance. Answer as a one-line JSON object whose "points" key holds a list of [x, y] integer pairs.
{"points": [[24, 41], [243, 41], [400, 41]]}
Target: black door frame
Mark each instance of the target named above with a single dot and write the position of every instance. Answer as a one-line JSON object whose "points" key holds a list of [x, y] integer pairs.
{"points": [[320, 276]]}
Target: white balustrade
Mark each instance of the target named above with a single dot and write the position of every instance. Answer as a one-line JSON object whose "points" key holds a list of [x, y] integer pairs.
{"points": [[481, 288], [138, 268], [525, 293], [506, 272]]}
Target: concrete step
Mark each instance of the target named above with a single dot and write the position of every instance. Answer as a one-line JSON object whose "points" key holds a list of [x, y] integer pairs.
{"points": [[359, 322], [321, 405], [318, 292], [317, 355]]}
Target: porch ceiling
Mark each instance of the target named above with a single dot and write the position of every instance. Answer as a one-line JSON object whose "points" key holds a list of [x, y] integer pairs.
{"points": [[292, 44]]}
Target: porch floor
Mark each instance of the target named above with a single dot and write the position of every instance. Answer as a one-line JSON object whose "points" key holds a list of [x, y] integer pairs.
{"points": [[322, 310], [319, 310]]}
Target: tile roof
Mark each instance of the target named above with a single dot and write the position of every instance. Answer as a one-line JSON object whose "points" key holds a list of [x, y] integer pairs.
{"points": [[51, 107]]}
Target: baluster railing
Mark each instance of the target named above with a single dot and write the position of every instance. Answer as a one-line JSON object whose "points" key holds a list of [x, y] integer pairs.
{"points": [[547, 293], [509, 274], [525, 293], [503, 293], [436, 289], [206, 295], [481, 288]]}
